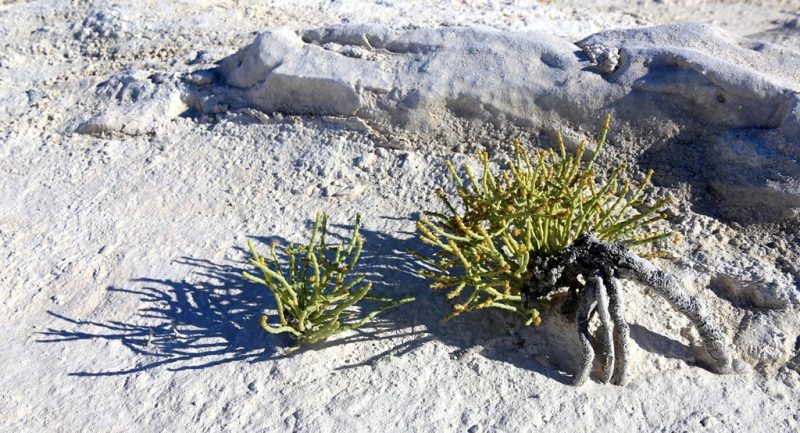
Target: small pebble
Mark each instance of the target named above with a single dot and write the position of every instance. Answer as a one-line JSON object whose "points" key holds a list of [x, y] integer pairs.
{"points": [[201, 78]]}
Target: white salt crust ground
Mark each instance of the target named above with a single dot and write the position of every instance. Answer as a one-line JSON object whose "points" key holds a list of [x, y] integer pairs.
{"points": [[122, 304]]}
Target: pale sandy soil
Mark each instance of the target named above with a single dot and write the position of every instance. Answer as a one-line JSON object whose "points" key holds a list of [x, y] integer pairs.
{"points": [[123, 308]]}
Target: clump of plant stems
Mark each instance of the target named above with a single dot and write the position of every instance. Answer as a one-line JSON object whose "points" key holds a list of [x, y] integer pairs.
{"points": [[315, 288], [537, 206]]}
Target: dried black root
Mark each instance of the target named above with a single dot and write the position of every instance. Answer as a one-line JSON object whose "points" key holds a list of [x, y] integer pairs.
{"points": [[600, 264]]}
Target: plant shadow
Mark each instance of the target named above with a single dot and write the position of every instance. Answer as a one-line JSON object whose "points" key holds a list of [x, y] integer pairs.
{"points": [[212, 318], [183, 325], [660, 344]]}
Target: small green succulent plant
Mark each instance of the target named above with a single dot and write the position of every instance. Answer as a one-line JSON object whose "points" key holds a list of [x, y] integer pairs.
{"points": [[315, 293], [539, 205]]}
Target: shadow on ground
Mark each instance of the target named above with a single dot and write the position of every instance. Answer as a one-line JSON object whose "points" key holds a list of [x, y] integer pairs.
{"points": [[183, 325], [212, 318]]}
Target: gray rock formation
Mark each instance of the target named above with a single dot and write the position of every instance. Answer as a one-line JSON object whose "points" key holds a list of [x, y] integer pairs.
{"points": [[693, 75], [736, 102]]}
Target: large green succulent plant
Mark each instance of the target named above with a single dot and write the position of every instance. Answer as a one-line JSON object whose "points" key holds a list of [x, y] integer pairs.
{"points": [[539, 205]]}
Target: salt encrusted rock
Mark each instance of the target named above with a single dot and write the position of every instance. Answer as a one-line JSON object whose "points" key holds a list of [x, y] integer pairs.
{"points": [[606, 59], [735, 99], [106, 23], [280, 72], [766, 339], [697, 76], [693, 69], [768, 295], [134, 103], [747, 94]]}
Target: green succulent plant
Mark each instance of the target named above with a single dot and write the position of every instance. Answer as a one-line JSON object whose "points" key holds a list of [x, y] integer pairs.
{"points": [[315, 293], [539, 205]]}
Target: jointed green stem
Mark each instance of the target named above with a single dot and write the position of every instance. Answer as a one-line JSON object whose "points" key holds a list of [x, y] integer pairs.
{"points": [[314, 300]]}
